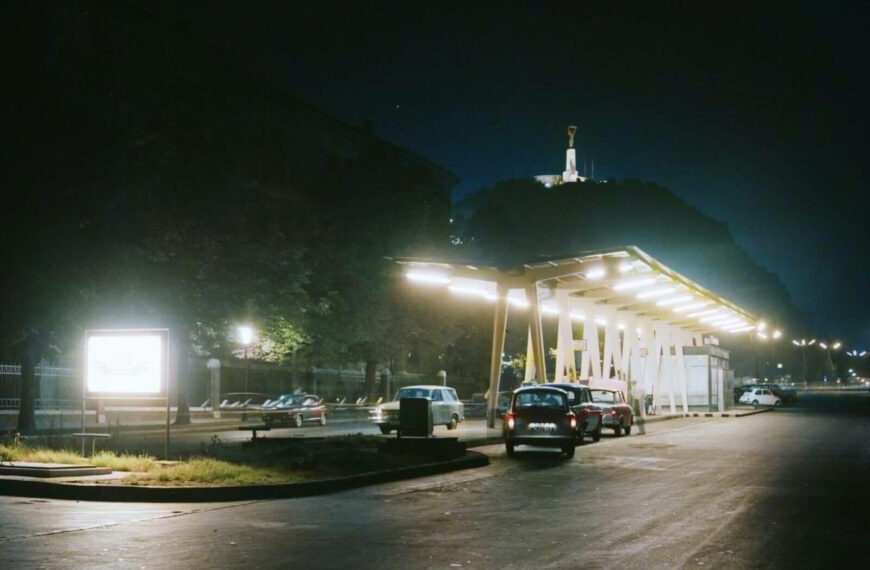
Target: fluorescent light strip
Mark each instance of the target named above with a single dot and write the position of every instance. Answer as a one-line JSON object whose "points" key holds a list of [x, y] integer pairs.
{"points": [[656, 293], [634, 284], [674, 300], [712, 319], [689, 307], [625, 267], [706, 312], [744, 329], [596, 274], [428, 277], [467, 290]]}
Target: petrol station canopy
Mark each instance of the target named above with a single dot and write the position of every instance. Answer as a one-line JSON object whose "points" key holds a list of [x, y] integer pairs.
{"points": [[643, 308]]}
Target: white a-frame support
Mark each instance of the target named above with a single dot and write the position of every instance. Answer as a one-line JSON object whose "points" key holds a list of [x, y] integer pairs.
{"points": [[498, 332], [566, 369]]}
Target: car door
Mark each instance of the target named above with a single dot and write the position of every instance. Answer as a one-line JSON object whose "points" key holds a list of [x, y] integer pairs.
{"points": [[438, 407]]}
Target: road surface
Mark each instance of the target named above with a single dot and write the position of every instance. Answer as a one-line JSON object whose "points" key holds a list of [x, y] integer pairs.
{"points": [[783, 489]]}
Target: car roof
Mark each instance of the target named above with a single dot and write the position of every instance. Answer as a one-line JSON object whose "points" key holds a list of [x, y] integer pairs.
{"points": [[541, 388], [426, 387], [564, 385]]}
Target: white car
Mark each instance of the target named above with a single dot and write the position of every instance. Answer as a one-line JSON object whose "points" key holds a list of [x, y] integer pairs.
{"points": [[446, 408], [760, 397]]}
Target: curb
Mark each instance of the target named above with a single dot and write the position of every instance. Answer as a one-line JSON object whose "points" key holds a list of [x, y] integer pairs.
{"points": [[753, 412], [131, 494]]}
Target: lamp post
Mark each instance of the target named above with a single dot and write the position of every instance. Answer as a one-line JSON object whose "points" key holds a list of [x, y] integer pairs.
{"points": [[803, 344], [245, 335], [829, 357]]}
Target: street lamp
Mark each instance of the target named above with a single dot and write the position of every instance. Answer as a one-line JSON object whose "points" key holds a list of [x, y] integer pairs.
{"points": [[802, 344], [245, 336]]}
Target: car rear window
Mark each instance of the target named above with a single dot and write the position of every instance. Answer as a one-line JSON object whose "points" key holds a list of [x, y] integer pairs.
{"points": [[413, 393], [539, 399], [603, 397]]}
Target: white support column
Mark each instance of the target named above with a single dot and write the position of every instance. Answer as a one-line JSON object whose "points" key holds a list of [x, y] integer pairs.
{"points": [[565, 367], [530, 359], [498, 333], [629, 341], [648, 364], [681, 339], [590, 332], [698, 339], [585, 371], [537, 332]]}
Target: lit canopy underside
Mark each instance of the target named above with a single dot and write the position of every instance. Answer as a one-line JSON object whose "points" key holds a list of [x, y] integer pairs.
{"points": [[622, 280]]}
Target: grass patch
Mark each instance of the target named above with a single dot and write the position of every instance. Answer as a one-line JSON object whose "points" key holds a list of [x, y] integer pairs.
{"points": [[267, 462]]}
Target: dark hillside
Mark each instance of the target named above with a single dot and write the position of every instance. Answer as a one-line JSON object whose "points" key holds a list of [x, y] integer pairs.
{"points": [[519, 220]]}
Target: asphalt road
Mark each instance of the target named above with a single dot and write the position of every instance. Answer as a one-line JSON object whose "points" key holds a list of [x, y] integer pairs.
{"points": [[783, 489]]}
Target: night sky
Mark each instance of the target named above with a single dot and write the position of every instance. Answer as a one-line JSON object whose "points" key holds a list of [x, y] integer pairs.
{"points": [[756, 115]]}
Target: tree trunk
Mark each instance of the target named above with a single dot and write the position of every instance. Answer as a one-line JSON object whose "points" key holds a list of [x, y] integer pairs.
{"points": [[371, 392], [27, 401]]}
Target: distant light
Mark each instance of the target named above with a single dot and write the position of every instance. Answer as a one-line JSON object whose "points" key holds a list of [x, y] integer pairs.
{"points": [[634, 284], [246, 334], [863, 352], [656, 293], [777, 334], [578, 316], [625, 267], [744, 329], [761, 326], [596, 273], [762, 336], [428, 277], [823, 345], [796, 343], [836, 345], [804, 342], [812, 342], [779, 364], [674, 300]]}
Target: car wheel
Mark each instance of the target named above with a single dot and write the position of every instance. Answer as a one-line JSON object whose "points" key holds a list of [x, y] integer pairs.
{"points": [[385, 430], [618, 430], [454, 421], [627, 429], [755, 404], [580, 435], [777, 403], [323, 418], [509, 449], [596, 435], [568, 450], [297, 421]]}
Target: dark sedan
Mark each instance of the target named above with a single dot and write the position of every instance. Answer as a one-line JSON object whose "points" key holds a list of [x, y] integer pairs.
{"points": [[540, 416], [295, 410]]}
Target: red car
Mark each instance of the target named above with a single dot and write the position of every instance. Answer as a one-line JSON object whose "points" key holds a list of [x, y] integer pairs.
{"points": [[581, 403], [616, 414]]}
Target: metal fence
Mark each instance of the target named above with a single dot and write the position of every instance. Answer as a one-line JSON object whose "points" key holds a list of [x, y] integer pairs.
{"points": [[56, 387]]}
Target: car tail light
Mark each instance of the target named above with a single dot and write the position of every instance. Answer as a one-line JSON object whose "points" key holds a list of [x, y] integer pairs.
{"points": [[510, 420], [573, 422]]}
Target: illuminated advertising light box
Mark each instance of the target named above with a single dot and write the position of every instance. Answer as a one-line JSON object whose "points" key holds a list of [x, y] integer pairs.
{"points": [[126, 363]]}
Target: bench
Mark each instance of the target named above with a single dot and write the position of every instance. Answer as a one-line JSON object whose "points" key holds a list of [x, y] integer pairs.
{"points": [[94, 437], [254, 429]]}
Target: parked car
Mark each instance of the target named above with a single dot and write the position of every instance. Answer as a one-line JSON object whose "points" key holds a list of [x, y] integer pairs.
{"points": [[446, 408], [615, 412], [295, 410], [760, 397], [540, 416], [504, 401], [588, 413], [787, 395]]}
